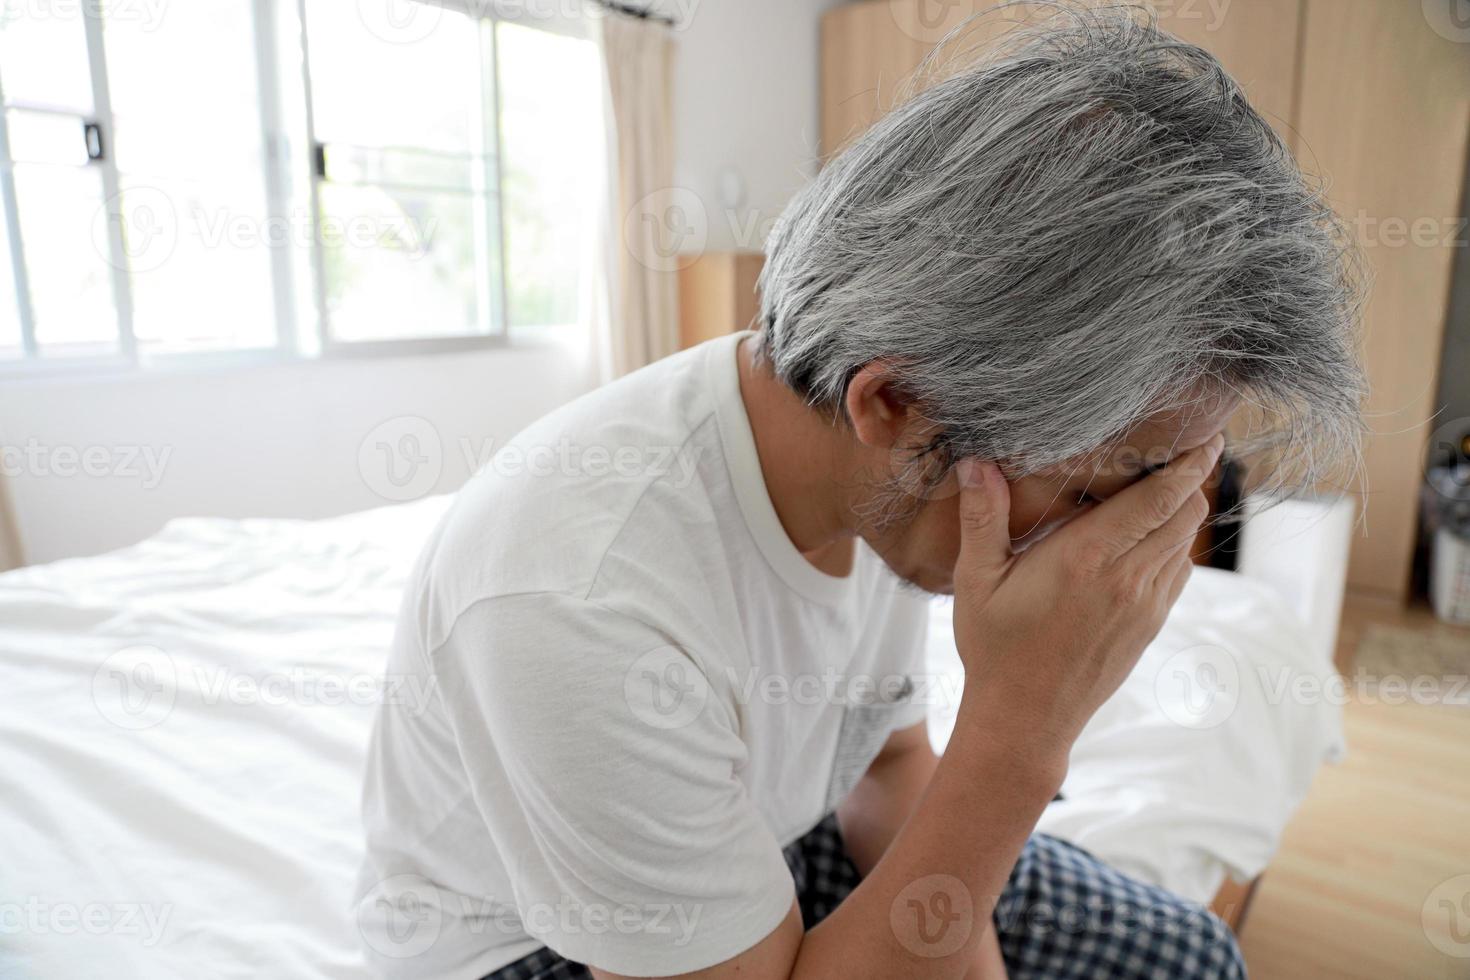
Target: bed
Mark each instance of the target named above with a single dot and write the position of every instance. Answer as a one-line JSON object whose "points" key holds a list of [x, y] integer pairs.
{"points": [[189, 718]]}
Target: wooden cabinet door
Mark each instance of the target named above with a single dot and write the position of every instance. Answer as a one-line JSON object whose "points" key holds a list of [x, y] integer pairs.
{"points": [[872, 50], [1384, 115]]}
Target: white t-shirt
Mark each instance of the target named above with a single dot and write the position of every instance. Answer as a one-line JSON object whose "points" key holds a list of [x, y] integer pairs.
{"points": [[641, 691]]}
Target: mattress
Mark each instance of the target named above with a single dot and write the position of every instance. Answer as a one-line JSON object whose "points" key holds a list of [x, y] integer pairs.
{"points": [[185, 746], [189, 718]]}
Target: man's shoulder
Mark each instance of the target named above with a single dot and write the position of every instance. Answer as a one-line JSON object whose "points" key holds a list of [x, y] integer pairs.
{"points": [[626, 463]]}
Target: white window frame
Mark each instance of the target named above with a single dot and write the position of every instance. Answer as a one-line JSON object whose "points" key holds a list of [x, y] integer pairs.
{"points": [[290, 160]]}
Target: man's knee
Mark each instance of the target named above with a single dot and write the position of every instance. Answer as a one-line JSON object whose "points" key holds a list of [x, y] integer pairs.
{"points": [[1066, 914], [1168, 936], [1218, 952]]}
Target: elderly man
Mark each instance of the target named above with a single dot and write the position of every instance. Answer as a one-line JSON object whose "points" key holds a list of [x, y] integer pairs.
{"points": [[674, 729]]}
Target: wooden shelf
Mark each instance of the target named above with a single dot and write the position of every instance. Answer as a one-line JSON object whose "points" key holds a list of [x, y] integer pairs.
{"points": [[717, 295]]}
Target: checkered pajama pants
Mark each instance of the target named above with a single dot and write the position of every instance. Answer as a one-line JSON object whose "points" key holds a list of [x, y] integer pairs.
{"points": [[1063, 914]]}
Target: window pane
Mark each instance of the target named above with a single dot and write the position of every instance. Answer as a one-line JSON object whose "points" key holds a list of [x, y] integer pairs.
{"points": [[191, 164], [199, 261], [209, 125], [551, 158], [414, 168], [45, 137], [9, 302], [43, 55], [382, 78], [399, 263], [63, 229]]}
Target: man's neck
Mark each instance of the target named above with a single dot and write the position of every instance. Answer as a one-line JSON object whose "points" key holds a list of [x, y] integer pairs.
{"points": [[806, 470]]}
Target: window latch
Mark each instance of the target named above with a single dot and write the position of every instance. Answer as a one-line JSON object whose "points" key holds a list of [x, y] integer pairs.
{"points": [[92, 136]]}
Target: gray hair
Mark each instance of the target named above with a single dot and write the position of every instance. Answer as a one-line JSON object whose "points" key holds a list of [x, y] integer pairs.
{"points": [[1058, 242]]}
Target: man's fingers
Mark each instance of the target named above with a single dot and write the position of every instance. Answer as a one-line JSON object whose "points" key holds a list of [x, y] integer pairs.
{"points": [[1175, 576], [1177, 532], [985, 523], [1132, 514]]}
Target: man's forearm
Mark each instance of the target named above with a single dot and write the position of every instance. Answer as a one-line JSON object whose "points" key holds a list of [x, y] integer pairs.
{"points": [[883, 799], [876, 810], [924, 907]]}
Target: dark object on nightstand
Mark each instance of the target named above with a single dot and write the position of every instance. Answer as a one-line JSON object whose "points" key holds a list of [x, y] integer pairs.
{"points": [[1225, 532]]}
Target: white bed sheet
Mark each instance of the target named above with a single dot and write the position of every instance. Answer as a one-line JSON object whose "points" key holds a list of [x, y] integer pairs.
{"points": [[201, 821], [189, 717]]}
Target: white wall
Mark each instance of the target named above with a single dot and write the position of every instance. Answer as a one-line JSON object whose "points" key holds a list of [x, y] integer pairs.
{"points": [[284, 440], [745, 102], [105, 462]]}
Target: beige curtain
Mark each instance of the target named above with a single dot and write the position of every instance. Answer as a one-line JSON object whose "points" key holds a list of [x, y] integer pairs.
{"points": [[643, 234], [10, 553]]}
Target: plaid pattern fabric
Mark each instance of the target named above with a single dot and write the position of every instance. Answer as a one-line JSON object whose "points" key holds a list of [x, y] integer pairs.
{"points": [[823, 872], [1066, 914], [1063, 914], [542, 965]]}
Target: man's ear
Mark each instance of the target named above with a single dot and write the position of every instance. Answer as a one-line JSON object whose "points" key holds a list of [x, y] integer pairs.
{"points": [[878, 410]]}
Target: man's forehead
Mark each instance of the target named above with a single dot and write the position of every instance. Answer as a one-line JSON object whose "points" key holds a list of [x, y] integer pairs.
{"points": [[1182, 429], [1152, 444]]}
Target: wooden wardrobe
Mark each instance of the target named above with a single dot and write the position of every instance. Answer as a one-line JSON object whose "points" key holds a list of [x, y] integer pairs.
{"points": [[1372, 94]]}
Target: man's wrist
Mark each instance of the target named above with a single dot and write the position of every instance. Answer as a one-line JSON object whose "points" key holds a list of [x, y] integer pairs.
{"points": [[1019, 742]]}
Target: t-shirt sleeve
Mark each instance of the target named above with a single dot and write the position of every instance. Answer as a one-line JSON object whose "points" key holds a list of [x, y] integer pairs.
{"points": [[605, 763]]}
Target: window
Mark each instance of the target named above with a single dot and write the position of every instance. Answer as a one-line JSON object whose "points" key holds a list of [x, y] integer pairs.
{"points": [[10, 333], [52, 193], [551, 138], [221, 178], [406, 168], [190, 161]]}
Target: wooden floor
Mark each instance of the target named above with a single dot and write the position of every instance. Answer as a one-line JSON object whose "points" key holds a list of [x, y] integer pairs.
{"points": [[1363, 879]]}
